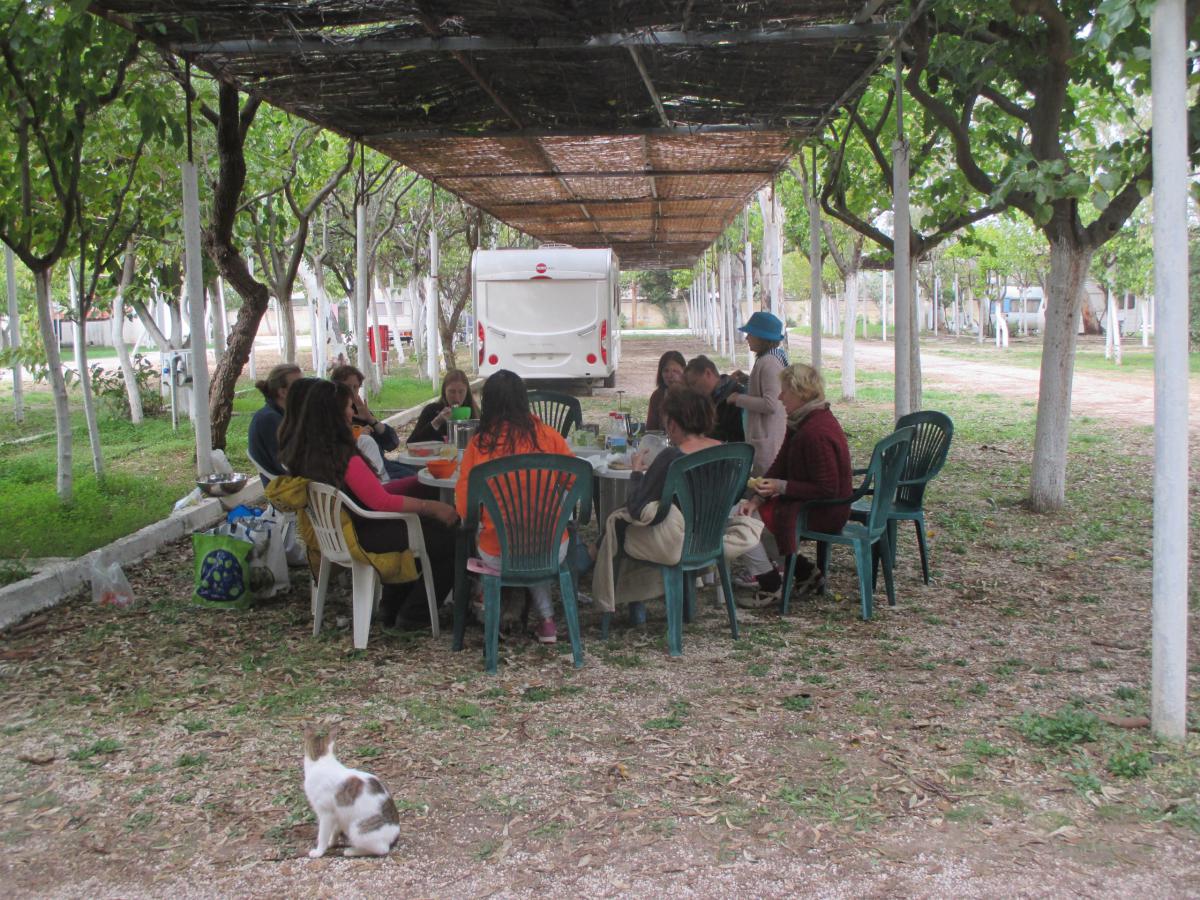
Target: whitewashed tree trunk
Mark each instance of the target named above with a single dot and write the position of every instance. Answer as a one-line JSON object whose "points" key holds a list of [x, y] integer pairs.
{"points": [[64, 481], [287, 328], [85, 376], [89, 399], [848, 373], [132, 393], [772, 275], [914, 353], [220, 321], [14, 334], [1048, 479]]}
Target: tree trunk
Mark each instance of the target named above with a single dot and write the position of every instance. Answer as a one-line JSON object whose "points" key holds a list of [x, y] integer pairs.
{"points": [[14, 334], [848, 386], [287, 326], [1068, 270], [89, 399], [132, 391], [914, 352], [64, 481], [220, 323]]}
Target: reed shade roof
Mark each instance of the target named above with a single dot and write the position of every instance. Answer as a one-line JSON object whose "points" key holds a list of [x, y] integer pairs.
{"points": [[642, 125]]}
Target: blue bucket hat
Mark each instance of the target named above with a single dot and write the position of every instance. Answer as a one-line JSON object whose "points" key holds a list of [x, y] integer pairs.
{"points": [[764, 325]]}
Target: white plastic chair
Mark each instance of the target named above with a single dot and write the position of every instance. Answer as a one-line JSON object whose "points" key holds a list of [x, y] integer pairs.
{"points": [[325, 512], [261, 471]]}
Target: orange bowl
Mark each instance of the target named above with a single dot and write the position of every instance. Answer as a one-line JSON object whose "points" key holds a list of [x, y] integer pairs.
{"points": [[441, 468]]}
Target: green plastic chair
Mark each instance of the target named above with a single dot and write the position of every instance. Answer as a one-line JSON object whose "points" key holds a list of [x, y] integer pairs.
{"points": [[882, 479], [926, 456], [561, 412], [530, 498], [705, 485]]}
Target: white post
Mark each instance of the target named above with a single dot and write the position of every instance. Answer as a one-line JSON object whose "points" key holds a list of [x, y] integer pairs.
{"points": [[1144, 315], [724, 281], [194, 272], [902, 305], [362, 297], [814, 279], [431, 310], [748, 287], [14, 334], [1168, 74]]}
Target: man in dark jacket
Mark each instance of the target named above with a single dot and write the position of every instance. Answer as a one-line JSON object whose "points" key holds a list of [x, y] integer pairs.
{"points": [[702, 376]]}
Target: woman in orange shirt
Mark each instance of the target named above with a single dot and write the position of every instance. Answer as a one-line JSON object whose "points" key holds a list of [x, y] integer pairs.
{"points": [[507, 428]]}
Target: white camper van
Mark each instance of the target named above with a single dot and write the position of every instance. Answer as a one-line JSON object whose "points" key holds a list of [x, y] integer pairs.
{"points": [[552, 313]]}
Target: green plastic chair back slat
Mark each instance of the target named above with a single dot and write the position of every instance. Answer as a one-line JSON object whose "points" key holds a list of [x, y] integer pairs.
{"points": [[930, 447], [932, 433], [529, 498], [705, 485], [562, 412], [882, 479]]}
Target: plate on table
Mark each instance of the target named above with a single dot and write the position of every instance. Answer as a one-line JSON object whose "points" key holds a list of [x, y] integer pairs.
{"points": [[430, 449]]}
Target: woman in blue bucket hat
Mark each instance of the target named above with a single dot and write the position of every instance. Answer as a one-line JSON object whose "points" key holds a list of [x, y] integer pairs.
{"points": [[766, 421]]}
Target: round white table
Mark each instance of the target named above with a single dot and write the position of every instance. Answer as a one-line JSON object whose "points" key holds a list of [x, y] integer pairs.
{"points": [[412, 459], [612, 488], [445, 486]]}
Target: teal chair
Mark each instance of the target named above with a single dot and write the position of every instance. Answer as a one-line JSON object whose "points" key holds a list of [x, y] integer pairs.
{"points": [[529, 498], [705, 485], [930, 447], [562, 412], [881, 482]]}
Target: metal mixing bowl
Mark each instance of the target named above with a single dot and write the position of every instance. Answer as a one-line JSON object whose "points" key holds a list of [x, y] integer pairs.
{"points": [[222, 485]]}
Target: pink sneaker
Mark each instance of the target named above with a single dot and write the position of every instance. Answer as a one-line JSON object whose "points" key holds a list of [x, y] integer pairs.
{"points": [[547, 632]]}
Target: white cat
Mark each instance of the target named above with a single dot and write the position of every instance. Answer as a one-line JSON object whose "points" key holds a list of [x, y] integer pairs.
{"points": [[348, 801]]}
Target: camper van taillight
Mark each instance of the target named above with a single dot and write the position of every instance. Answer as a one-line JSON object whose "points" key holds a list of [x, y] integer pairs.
{"points": [[481, 342], [603, 337]]}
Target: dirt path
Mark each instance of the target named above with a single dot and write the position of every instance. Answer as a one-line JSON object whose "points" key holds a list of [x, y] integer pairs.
{"points": [[1125, 397]]}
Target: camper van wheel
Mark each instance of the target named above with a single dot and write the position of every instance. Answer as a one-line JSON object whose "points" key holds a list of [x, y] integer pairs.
{"points": [[611, 380]]}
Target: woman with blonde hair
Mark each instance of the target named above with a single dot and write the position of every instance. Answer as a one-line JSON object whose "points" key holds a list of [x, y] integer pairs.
{"points": [[812, 464]]}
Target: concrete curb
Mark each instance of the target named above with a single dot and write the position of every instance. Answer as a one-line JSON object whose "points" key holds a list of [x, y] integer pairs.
{"points": [[56, 583]]}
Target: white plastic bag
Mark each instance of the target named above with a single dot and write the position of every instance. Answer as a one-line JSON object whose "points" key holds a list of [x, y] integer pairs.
{"points": [[190, 500], [110, 587], [220, 464], [292, 546], [268, 559]]}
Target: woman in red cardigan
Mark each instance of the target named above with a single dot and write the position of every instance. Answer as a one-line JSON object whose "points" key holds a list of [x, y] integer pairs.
{"points": [[812, 464]]}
